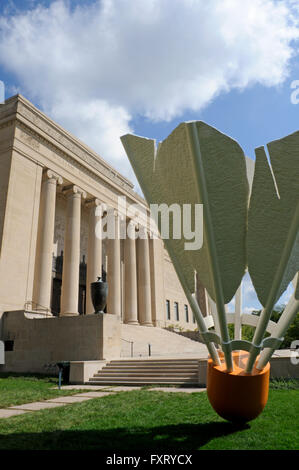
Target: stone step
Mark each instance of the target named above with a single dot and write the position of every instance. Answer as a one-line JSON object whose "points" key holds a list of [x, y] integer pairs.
{"points": [[157, 361], [144, 374], [141, 368], [157, 371], [123, 380], [154, 364]]}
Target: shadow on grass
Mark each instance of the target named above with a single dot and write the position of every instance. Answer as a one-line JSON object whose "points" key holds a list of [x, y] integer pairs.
{"points": [[181, 436], [52, 376]]}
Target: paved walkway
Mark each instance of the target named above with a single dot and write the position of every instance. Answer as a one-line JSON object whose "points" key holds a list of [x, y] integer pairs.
{"points": [[91, 393]]}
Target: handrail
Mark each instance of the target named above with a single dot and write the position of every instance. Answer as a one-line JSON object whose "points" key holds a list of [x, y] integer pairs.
{"points": [[126, 340], [132, 345]]}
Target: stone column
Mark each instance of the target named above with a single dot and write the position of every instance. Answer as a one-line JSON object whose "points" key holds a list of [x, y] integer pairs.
{"points": [[130, 291], [113, 268], [71, 257], [201, 296], [94, 254], [156, 250], [45, 239], [144, 279]]}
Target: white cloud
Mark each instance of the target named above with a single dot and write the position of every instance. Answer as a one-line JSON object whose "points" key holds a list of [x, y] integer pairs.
{"points": [[249, 296], [97, 124], [248, 309], [231, 305], [250, 299], [96, 66], [285, 297]]}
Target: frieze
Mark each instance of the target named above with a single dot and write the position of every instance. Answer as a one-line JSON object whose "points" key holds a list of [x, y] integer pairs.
{"points": [[30, 140], [32, 117], [67, 161], [7, 124]]}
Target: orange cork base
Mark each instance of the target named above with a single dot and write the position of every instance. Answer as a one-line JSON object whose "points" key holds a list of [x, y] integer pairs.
{"points": [[237, 396]]}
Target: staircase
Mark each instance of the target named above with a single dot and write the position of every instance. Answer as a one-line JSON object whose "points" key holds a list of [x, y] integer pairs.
{"points": [[148, 371]]}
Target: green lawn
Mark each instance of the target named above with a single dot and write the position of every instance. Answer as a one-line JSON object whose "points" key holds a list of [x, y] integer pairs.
{"points": [[145, 420], [17, 389]]}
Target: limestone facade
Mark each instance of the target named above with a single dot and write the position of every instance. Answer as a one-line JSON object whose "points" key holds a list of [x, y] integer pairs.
{"points": [[51, 184]]}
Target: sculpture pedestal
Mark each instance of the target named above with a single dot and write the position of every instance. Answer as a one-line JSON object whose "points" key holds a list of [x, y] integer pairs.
{"points": [[237, 396]]}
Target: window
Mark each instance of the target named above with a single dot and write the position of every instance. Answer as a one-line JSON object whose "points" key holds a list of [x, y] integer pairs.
{"points": [[186, 313], [176, 310], [168, 309], [8, 345]]}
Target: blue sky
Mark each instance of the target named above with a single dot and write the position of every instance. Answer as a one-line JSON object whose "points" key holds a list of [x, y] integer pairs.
{"points": [[253, 116], [104, 68]]}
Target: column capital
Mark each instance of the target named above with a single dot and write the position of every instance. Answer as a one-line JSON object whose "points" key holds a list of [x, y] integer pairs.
{"points": [[132, 223], [95, 205], [92, 202], [73, 190], [153, 234], [112, 211], [142, 232], [51, 175], [132, 226]]}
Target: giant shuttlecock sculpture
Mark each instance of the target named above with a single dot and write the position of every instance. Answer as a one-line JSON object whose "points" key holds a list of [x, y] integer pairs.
{"points": [[244, 227]]}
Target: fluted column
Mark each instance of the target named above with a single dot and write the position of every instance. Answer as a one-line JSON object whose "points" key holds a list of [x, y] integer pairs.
{"points": [[144, 279], [45, 239], [71, 257], [131, 305], [113, 268], [156, 250], [94, 254]]}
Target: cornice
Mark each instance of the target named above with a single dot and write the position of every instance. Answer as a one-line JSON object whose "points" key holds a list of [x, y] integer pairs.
{"points": [[7, 123], [35, 123], [26, 110], [33, 139], [8, 110]]}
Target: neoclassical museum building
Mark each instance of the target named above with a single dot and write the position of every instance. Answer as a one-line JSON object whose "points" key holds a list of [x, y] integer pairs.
{"points": [[51, 184]]}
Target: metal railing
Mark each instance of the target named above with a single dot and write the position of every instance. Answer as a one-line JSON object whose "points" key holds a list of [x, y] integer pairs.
{"points": [[131, 345]]}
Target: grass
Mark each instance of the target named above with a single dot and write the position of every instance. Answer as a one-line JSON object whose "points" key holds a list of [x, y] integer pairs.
{"points": [[17, 389], [284, 384], [146, 420]]}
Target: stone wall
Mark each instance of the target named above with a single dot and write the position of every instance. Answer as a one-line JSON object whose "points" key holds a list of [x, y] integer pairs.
{"points": [[19, 233], [194, 335], [41, 341], [174, 293]]}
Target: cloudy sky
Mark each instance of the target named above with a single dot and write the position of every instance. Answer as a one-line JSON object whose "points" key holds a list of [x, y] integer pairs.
{"points": [[102, 68]]}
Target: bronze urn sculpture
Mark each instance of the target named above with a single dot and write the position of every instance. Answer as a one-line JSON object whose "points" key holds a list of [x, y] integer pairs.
{"points": [[99, 293]]}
